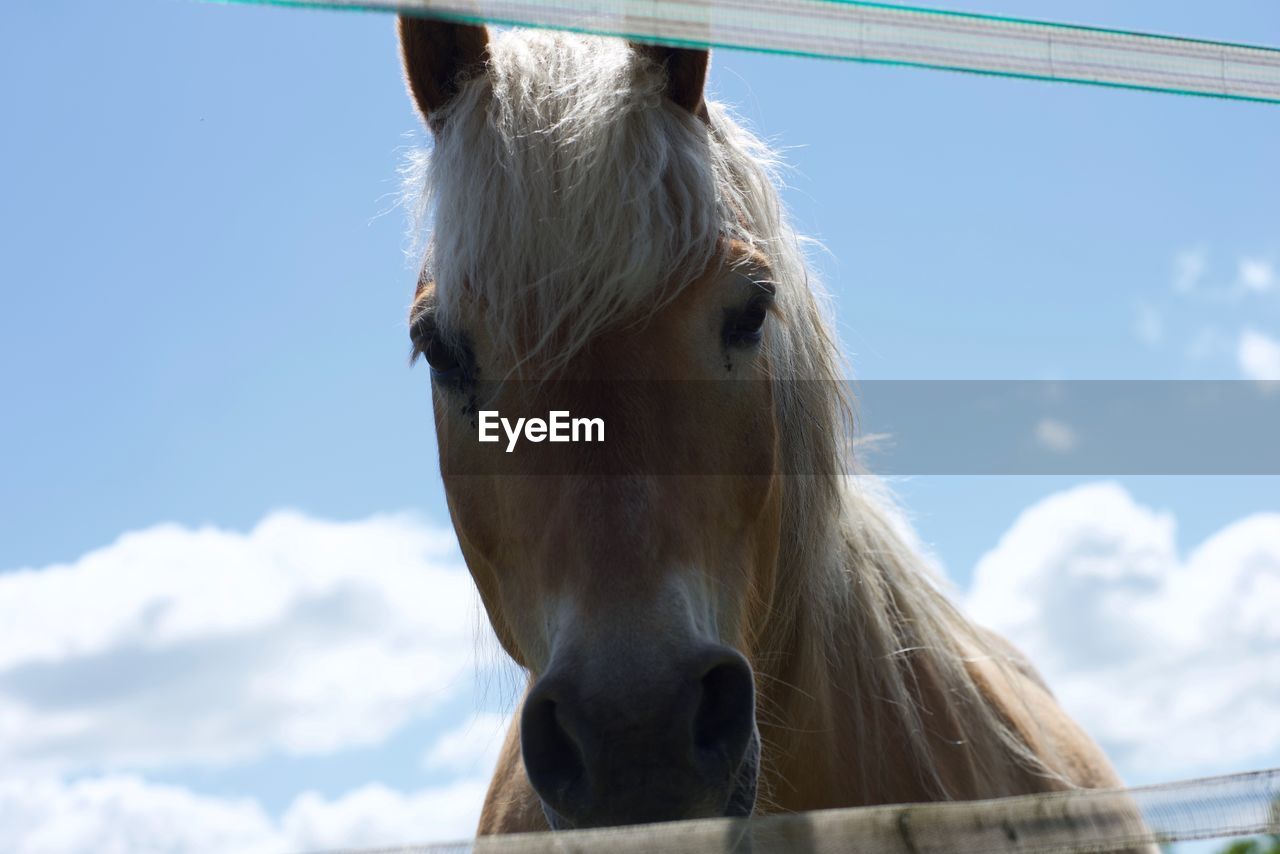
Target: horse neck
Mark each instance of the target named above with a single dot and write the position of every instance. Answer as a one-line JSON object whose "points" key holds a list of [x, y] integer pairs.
{"points": [[851, 661]]}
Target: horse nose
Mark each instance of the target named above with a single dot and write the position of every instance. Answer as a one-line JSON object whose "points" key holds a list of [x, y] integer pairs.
{"points": [[643, 749]]}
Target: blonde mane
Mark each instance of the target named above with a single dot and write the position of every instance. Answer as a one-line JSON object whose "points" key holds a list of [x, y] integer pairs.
{"points": [[564, 195]]}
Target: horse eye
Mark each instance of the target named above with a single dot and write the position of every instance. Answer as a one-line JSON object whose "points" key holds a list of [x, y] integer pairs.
{"points": [[746, 327], [443, 356], [443, 359]]}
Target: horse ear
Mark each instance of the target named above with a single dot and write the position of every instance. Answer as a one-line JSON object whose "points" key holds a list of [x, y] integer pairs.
{"points": [[686, 73], [437, 56]]}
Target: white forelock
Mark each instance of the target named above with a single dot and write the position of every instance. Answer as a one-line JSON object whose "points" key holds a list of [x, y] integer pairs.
{"points": [[564, 193]]}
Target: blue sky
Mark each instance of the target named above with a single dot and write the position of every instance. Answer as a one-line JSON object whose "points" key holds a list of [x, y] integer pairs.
{"points": [[205, 284]]}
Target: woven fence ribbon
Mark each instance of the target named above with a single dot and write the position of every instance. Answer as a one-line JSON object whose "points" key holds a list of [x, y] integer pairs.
{"points": [[874, 32], [1057, 823]]}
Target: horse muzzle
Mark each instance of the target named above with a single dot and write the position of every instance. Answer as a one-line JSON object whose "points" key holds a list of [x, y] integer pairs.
{"points": [[666, 743]]}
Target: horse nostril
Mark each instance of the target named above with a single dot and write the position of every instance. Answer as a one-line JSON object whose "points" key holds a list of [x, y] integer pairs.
{"points": [[725, 717], [552, 757]]}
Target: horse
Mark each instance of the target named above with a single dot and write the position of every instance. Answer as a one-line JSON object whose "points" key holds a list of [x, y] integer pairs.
{"points": [[725, 617]]}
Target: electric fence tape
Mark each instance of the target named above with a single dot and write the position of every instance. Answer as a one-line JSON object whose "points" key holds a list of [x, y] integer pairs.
{"points": [[1056, 823], [898, 35]]}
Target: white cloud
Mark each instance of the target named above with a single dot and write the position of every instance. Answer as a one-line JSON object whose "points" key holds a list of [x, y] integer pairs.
{"points": [[377, 815], [1056, 436], [1170, 662], [124, 814], [472, 747], [175, 645], [1258, 356], [1256, 275]]}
